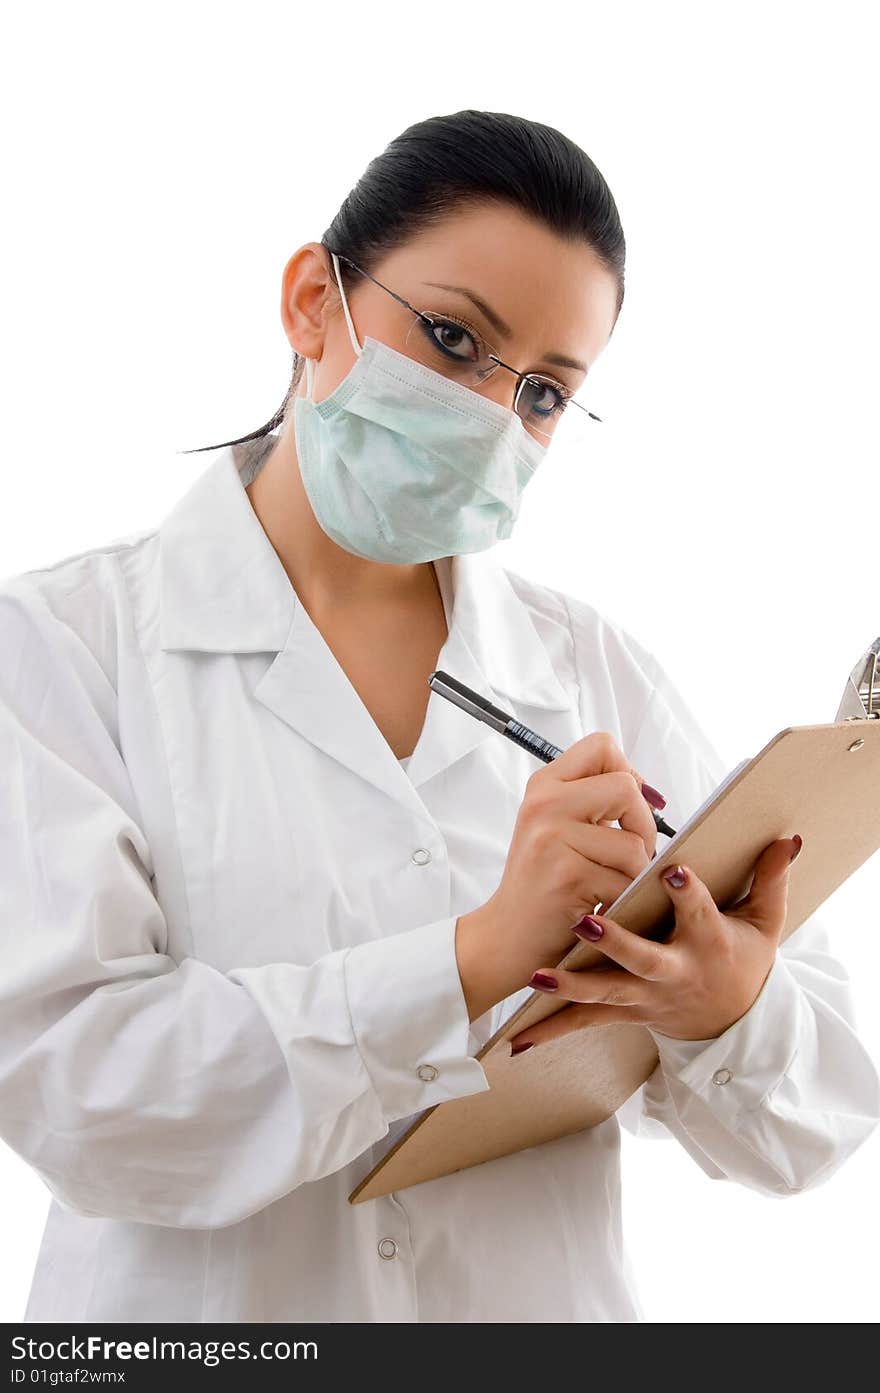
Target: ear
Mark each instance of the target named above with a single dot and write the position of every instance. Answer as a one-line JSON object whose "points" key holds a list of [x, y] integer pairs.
{"points": [[307, 294]]}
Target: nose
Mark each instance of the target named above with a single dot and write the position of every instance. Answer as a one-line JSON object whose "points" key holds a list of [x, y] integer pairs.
{"points": [[500, 386]]}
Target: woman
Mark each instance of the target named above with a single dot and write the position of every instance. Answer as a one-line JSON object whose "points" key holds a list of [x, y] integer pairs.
{"points": [[265, 900]]}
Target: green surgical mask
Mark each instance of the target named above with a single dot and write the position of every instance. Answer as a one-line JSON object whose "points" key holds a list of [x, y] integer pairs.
{"points": [[401, 464]]}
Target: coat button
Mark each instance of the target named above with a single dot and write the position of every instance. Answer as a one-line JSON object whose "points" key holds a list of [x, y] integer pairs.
{"points": [[722, 1076], [427, 1072], [421, 856], [387, 1248]]}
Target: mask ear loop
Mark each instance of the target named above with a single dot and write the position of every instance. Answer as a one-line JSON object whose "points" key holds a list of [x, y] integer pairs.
{"points": [[310, 370], [351, 330]]}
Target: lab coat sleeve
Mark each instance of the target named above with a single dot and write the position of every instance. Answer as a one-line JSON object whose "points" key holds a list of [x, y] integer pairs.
{"points": [[788, 1092], [146, 1089]]}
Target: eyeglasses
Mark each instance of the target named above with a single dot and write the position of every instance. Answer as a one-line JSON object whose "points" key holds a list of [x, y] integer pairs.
{"points": [[453, 347]]}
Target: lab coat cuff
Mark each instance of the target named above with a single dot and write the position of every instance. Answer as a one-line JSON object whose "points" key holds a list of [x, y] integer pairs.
{"points": [[410, 1019], [738, 1069]]}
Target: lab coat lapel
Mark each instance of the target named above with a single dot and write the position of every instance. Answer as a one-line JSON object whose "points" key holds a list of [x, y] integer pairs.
{"points": [[448, 733], [490, 636], [493, 647], [307, 688]]}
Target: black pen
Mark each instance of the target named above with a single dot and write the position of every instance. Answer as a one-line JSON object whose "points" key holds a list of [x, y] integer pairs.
{"points": [[507, 725]]}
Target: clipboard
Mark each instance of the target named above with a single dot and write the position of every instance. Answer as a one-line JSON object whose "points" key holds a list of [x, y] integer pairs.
{"points": [[821, 780]]}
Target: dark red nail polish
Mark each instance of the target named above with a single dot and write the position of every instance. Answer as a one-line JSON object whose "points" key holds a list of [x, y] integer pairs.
{"points": [[524, 1045], [589, 928], [800, 841], [653, 797], [545, 981], [676, 877]]}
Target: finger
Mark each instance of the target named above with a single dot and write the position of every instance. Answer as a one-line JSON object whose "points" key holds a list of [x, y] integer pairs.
{"points": [[610, 988], [652, 795], [596, 753], [603, 797], [610, 796], [618, 850], [641, 956], [766, 904], [695, 909], [599, 753], [563, 1022]]}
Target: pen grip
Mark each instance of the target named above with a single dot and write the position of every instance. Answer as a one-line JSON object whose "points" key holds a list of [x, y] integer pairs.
{"points": [[528, 740]]}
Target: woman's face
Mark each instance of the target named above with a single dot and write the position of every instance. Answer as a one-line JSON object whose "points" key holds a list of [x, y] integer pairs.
{"points": [[543, 299]]}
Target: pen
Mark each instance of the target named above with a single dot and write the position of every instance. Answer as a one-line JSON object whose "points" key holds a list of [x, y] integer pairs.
{"points": [[507, 725]]}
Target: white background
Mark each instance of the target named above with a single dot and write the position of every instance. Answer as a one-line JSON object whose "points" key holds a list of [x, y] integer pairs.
{"points": [[160, 165]]}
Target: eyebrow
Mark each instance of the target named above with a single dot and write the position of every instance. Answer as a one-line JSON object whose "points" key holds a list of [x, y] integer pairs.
{"points": [[558, 359]]}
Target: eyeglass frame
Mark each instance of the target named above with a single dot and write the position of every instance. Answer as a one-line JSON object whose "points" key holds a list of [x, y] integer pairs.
{"points": [[521, 377]]}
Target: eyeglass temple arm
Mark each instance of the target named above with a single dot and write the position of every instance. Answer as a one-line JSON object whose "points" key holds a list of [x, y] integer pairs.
{"points": [[387, 289]]}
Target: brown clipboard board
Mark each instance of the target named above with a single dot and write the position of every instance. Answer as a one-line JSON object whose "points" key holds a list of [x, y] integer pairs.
{"points": [[822, 781]]}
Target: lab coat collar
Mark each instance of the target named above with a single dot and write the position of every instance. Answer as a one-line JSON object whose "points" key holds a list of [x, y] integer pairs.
{"points": [[223, 589]]}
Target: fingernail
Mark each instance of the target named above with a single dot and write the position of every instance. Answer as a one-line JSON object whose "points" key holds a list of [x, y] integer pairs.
{"points": [[524, 1045], [653, 797], [800, 841], [544, 981], [589, 928], [676, 877]]}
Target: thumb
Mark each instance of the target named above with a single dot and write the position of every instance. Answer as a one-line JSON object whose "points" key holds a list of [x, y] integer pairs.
{"points": [[766, 904]]}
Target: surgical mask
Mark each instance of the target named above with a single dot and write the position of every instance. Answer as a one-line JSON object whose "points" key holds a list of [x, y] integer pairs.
{"points": [[401, 464]]}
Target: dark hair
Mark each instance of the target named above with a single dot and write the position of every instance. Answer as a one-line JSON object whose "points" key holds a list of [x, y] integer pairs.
{"points": [[446, 162]]}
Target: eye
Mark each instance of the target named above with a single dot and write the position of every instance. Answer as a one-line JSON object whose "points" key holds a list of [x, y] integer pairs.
{"points": [[452, 339], [542, 398]]}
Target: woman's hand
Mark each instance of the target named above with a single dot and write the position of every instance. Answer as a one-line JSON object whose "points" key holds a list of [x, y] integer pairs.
{"points": [[697, 983], [565, 857]]}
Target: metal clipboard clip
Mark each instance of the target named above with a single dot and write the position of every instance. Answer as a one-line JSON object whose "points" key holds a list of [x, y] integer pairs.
{"points": [[861, 697]]}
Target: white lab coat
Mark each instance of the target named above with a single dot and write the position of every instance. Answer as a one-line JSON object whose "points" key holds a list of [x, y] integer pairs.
{"points": [[227, 932]]}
